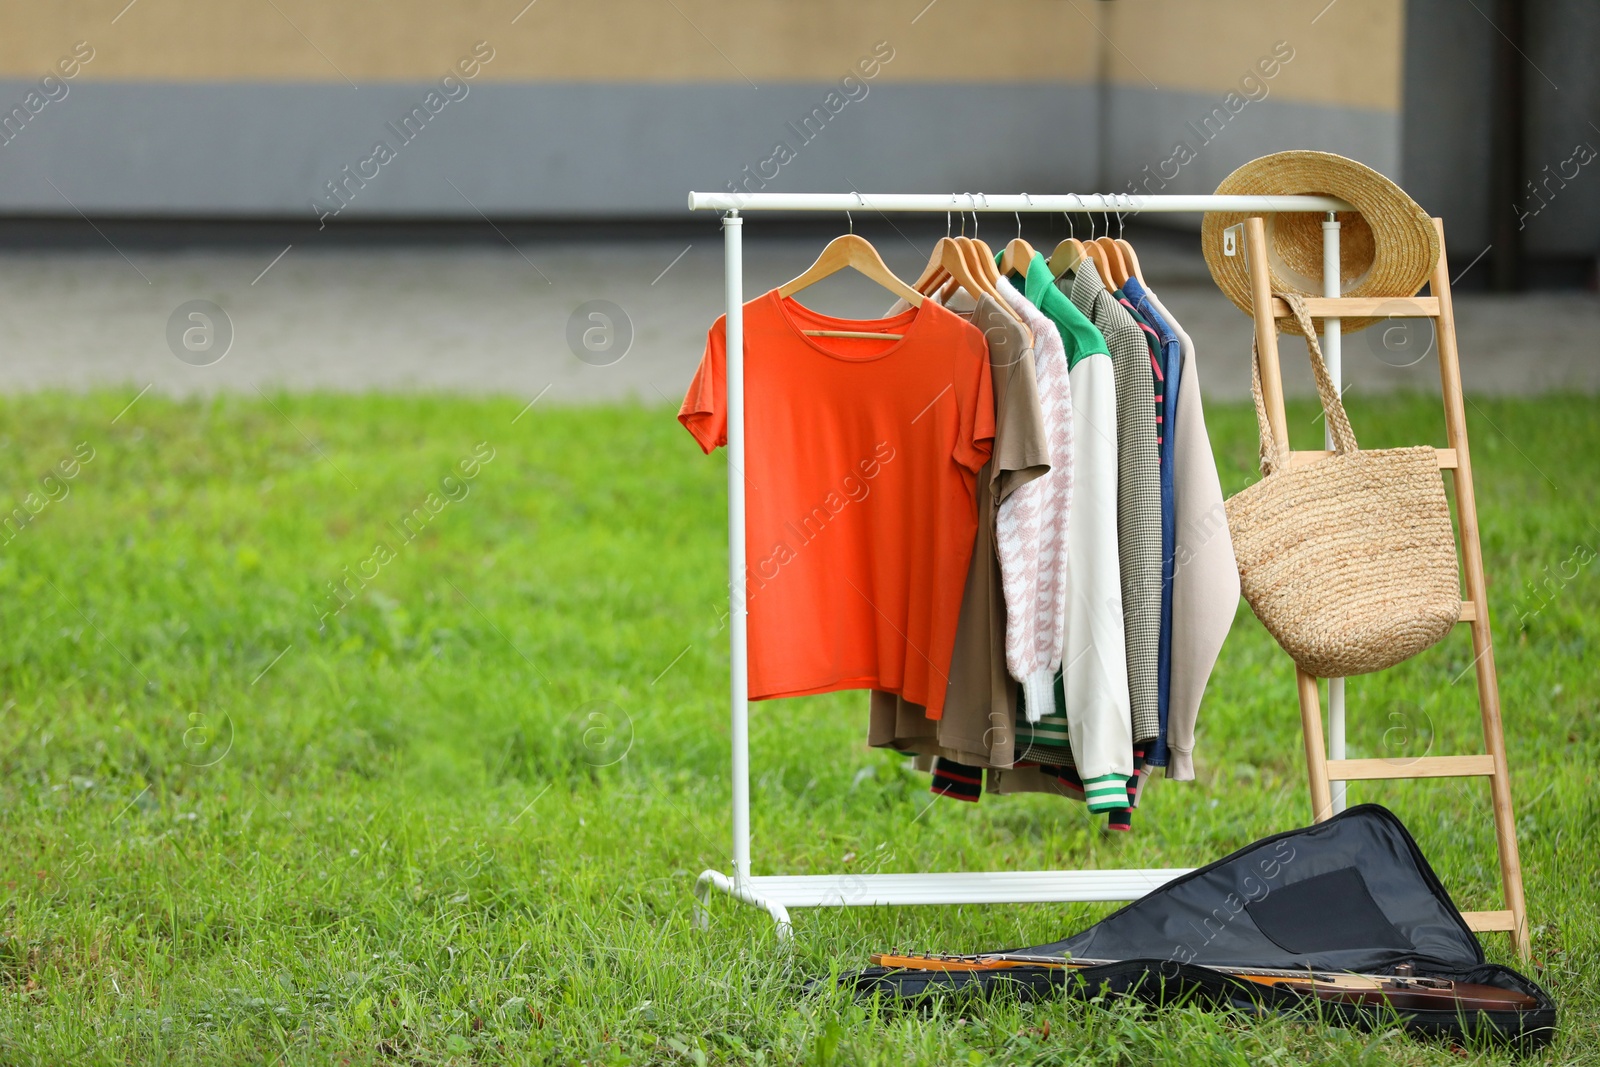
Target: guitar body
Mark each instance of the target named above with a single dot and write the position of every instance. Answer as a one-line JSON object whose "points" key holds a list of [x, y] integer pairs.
{"points": [[1342, 922]]}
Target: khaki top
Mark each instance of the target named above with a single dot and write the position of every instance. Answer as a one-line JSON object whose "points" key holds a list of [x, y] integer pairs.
{"points": [[980, 708]]}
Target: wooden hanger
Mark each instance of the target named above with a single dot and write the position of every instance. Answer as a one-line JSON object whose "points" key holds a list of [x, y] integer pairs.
{"points": [[982, 256], [856, 252], [1097, 255], [1119, 268], [1020, 265], [1068, 253], [956, 261], [974, 281], [986, 260], [1018, 254], [974, 262], [947, 264], [934, 272], [1067, 256], [961, 249], [1016, 257], [980, 260], [1132, 259], [951, 266]]}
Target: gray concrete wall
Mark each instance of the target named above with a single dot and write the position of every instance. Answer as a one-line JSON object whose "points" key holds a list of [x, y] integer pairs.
{"points": [[510, 150], [527, 150], [1446, 126], [1563, 94], [1147, 126]]}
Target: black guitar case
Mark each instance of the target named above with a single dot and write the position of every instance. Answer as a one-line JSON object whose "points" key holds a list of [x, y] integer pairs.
{"points": [[1350, 894]]}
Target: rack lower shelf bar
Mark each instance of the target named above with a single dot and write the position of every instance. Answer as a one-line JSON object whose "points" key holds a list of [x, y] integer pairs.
{"points": [[777, 893]]}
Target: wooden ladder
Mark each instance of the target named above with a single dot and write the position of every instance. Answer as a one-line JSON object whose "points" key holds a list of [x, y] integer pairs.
{"points": [[1513, 919]]}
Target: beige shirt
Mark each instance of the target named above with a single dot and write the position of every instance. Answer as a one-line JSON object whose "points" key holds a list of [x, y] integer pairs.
{"points": [[1205, 580], [980, 710]]}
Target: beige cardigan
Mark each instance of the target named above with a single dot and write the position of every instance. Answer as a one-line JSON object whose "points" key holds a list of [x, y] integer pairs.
{"points": [[1205, 582]]}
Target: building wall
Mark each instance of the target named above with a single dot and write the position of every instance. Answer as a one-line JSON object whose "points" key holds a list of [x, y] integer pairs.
{"points": [[619, 107], [1446, 147], [1229, 80], [1563, 96], [1448, 98]]}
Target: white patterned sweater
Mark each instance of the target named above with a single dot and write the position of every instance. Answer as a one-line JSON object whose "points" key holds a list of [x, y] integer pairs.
{"points": [[1031, 527]]}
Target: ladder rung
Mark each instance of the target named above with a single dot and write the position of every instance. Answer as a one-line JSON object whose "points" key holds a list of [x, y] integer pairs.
{"points": [[1355, 770], [1469, 611], [1447, 457], [1351, 307], [1490, 920]]}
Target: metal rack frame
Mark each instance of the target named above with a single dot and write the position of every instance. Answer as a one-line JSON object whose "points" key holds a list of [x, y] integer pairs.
{"points": [[778, 893]]}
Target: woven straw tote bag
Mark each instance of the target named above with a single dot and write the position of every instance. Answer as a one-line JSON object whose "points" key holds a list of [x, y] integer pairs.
{"points": [[1349, 561]]}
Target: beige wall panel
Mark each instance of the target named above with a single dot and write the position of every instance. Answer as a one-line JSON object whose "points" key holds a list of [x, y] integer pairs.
{"points": [[554, 40], [1351, 55]]}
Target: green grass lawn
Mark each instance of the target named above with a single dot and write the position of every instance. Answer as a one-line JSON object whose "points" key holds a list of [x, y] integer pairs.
{"points": [[458, 818]]}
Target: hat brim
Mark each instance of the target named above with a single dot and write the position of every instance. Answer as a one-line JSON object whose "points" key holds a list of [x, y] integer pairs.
{"points": [[1388, 245]]}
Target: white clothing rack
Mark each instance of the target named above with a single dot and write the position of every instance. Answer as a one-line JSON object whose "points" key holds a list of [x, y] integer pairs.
{"points": [[778, 893]]}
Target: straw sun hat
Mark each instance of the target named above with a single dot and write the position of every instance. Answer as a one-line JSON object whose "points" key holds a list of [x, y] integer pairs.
{"points": [[1387, 246]]}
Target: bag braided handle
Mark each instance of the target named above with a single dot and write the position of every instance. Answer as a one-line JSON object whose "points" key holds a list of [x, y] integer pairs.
{"points": [[1344, 438]]}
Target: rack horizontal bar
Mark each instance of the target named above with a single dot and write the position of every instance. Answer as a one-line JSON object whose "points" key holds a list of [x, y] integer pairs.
{"points": [[1120, 203]]}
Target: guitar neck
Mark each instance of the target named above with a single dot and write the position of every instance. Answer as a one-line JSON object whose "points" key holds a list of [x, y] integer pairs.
{"points": [[1397, 991], [1005, 960], [1242, 972]]}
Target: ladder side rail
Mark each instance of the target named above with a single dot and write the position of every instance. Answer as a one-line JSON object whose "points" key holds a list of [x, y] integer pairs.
{"points": [[1477, 593]]}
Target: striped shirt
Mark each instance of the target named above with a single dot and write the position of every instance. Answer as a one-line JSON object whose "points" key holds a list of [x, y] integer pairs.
{"points": [[1170, 350]]}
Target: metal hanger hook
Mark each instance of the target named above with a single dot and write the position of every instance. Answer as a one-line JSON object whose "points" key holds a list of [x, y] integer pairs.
{"points": [[850, 220]]}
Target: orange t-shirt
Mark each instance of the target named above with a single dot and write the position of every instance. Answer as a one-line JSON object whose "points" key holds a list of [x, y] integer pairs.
{"points": [[861, 458]]}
